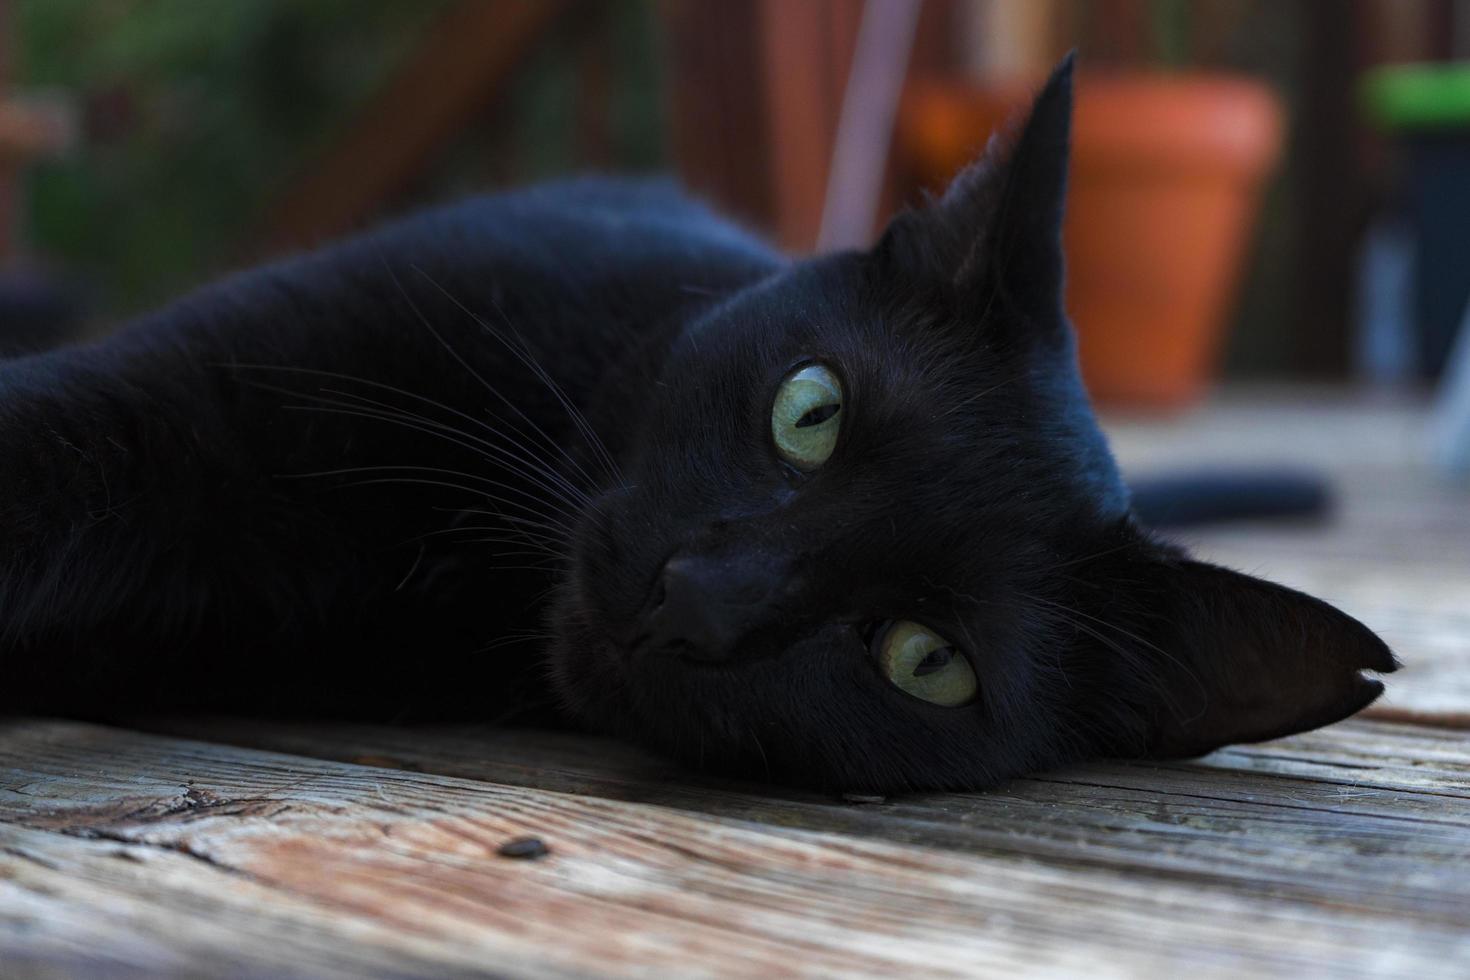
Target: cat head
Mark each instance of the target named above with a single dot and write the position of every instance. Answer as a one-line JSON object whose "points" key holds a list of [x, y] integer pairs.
{"points": [[871, 536]]}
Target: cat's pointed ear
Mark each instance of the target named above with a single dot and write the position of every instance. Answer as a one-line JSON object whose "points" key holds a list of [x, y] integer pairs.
{"points": [[1223, 657], [998, 227]]}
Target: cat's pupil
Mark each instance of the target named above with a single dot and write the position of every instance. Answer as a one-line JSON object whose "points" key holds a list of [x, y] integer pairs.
{"points": [[818, 415], [936, 660]]}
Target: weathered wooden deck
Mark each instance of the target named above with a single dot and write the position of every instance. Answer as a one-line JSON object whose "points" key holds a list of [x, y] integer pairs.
{"points": [[269, 849]]}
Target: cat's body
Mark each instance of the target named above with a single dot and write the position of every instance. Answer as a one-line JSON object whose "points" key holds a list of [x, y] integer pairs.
{"points": [[521, 454], [183, 556]]}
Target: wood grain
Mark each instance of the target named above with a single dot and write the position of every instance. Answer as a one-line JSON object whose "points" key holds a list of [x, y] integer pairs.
{"points": [[1287, 817], [1132, 871]]}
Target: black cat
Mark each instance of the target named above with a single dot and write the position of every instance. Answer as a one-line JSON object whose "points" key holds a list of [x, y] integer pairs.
{"points": [[585, 448]]}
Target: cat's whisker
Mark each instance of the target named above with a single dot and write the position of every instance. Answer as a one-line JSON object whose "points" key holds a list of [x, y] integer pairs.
{"points": [[540, 550], [378, 385], [521, 521], [503, 641], [405, 423], [1115, 628], [449, 348], [1073, 616], [523, 354], [393, 414], [517, 636], [1123, 652], [972, 399], [547, 561], [539, 472], [526, 537], [542, 469], [1085, 558], [765, 761], [530, 528], [541, 465], [458, 474], [545, 594], [457, 486]]}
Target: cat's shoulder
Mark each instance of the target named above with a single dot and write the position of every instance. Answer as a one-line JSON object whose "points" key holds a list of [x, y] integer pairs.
{"points": [[620, 218]]}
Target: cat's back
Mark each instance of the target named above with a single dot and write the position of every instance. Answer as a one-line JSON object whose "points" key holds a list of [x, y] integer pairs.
{"points": [[569, 262], [581, 234]]}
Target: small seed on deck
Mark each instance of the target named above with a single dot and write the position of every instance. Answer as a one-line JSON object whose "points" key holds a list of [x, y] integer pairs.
{"points": [[529, 848], [863, 798]]}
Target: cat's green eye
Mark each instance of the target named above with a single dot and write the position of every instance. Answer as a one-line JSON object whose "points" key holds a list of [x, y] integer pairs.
{"points": [[807, 416], [918, 661]]}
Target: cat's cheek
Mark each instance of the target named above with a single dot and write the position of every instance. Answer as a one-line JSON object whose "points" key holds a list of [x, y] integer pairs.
{"points": [[585, 685], [583, 666]]}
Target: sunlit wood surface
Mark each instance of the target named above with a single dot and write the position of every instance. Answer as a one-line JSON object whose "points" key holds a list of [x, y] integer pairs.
{"points": [[236, 847]]}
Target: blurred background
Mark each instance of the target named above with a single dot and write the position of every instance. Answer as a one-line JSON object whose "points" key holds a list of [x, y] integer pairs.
{"points": [[1261, 188]]}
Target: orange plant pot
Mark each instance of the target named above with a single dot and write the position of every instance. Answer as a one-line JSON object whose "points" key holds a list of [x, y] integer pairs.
{"points": [[1165, 184]]}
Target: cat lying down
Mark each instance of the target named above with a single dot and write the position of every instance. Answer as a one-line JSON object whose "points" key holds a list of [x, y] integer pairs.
{"points": [[587, 453]]}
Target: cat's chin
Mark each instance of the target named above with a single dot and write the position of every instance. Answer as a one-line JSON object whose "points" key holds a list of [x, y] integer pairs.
{"points": [[608, 685]]}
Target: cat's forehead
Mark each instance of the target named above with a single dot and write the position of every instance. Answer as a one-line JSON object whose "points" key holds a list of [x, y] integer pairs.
{"points": [[935, 394], [833, 309], [914, 380]]}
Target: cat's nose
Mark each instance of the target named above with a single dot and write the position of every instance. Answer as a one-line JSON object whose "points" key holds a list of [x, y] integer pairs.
{"points": [[706, 610]]}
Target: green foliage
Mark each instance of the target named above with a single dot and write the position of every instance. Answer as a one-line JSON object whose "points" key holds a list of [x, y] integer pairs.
{"points": [[1169, 27], [196, 111], [533, 130]]}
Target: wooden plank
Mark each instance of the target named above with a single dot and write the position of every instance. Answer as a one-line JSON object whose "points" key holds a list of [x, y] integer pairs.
{"points": [[718, 125], [755, 91], [807, 57], [72, 906], [1285, 818], [1328, 187], [405, 862]]}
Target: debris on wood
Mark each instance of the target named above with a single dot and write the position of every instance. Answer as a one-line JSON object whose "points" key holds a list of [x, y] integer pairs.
{"points": [[528, 848]]}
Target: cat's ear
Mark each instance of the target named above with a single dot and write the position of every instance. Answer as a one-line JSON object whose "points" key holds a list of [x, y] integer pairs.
{"points": [[1221, 657], [997, 229]]}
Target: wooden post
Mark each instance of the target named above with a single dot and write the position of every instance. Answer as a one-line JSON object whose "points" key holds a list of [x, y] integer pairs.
{"points": [[756, 90], [456, 72]]}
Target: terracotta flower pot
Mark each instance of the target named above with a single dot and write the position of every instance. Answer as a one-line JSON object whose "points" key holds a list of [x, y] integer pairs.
{"points": [[1165, 181]]}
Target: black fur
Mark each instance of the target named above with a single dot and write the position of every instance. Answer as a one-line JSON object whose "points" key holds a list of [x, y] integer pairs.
{"points": [[438, 470]]}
